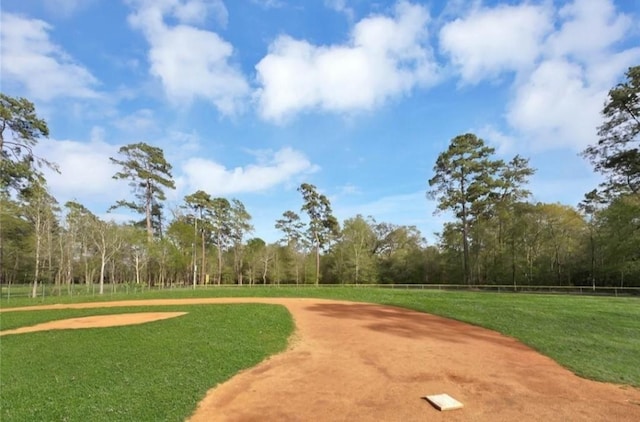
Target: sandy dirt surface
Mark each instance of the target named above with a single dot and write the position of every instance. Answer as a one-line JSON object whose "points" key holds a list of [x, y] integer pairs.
{"points": [[364, 362], [96, 321]]}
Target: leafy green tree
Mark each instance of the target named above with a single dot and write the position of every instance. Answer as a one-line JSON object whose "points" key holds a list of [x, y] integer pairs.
{"points": [[201, 203], [240, 226], [590, 206], [279, 256], [147, 171], [256, 249], [17, 233], [356, 251], [620, 231], [562, 234], [136, 251], [499, 241], [398, 250], [220, 220], [520, 230], [20, 131], [78, 227], [617, 153], [463, 182], [182, 233], [108, 240], [531, 228], [617, 157], [322, 224], [291, 226], [513, 176], [39, 208], [160, 251], [450, 243], [434, 264]]}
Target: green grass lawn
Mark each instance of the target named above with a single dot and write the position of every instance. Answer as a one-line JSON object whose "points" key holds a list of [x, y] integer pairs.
{"points": [[596, 337], [150, 372]]}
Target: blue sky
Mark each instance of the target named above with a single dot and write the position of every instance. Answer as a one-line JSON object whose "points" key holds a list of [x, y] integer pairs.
{"points": [[250, 98]]}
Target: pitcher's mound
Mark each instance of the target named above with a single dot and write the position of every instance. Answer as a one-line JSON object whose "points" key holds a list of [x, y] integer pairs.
{"points": [[96, 321]]}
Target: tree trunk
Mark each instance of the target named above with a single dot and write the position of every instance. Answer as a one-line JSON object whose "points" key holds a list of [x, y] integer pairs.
{"points": [[237, 262], [356, 253], [240, 275], [593, 260], [137, 259], [1, 238], [49, 249], [465, 232], [103, 262], [195, 253], [465, 250], [513, 263], [148, 199], [317, 260], [36, 272], [203, 262], [112, 275], [264, 269], [219, 276], [85, 261]]}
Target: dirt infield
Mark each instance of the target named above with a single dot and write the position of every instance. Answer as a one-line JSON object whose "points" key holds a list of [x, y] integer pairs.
{"points": [[365, 362]]}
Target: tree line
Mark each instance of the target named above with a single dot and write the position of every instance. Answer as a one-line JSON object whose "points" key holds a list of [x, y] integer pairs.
{"points": [[498, 235]]}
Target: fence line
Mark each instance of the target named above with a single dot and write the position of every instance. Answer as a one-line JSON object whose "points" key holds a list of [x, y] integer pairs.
{"points": [[15, 291]]}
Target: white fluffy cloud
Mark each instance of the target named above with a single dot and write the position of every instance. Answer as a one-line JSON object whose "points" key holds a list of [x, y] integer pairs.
{"points": [[589, 28], [31, 61], [190, 62], [384, 57], [558, 103], [503, 143], [491, 40], [563, 68], [85, 169], [214, 178]]}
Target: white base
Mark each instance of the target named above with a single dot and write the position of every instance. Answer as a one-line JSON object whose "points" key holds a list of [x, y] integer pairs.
{"points": [[444, 402]]}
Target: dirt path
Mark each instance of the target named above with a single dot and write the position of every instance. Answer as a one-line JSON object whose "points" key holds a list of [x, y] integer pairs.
{"points": [[364, 362]]}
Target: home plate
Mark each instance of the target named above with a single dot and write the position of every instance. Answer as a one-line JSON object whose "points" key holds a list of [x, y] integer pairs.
{"points": [[444, 402]]}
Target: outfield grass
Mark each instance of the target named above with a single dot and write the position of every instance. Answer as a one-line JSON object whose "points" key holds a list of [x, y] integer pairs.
{"points": [[595, 337], [148, 372]]}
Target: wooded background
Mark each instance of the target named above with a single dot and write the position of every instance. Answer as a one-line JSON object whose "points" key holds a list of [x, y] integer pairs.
{"points": [[498, 236]]}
